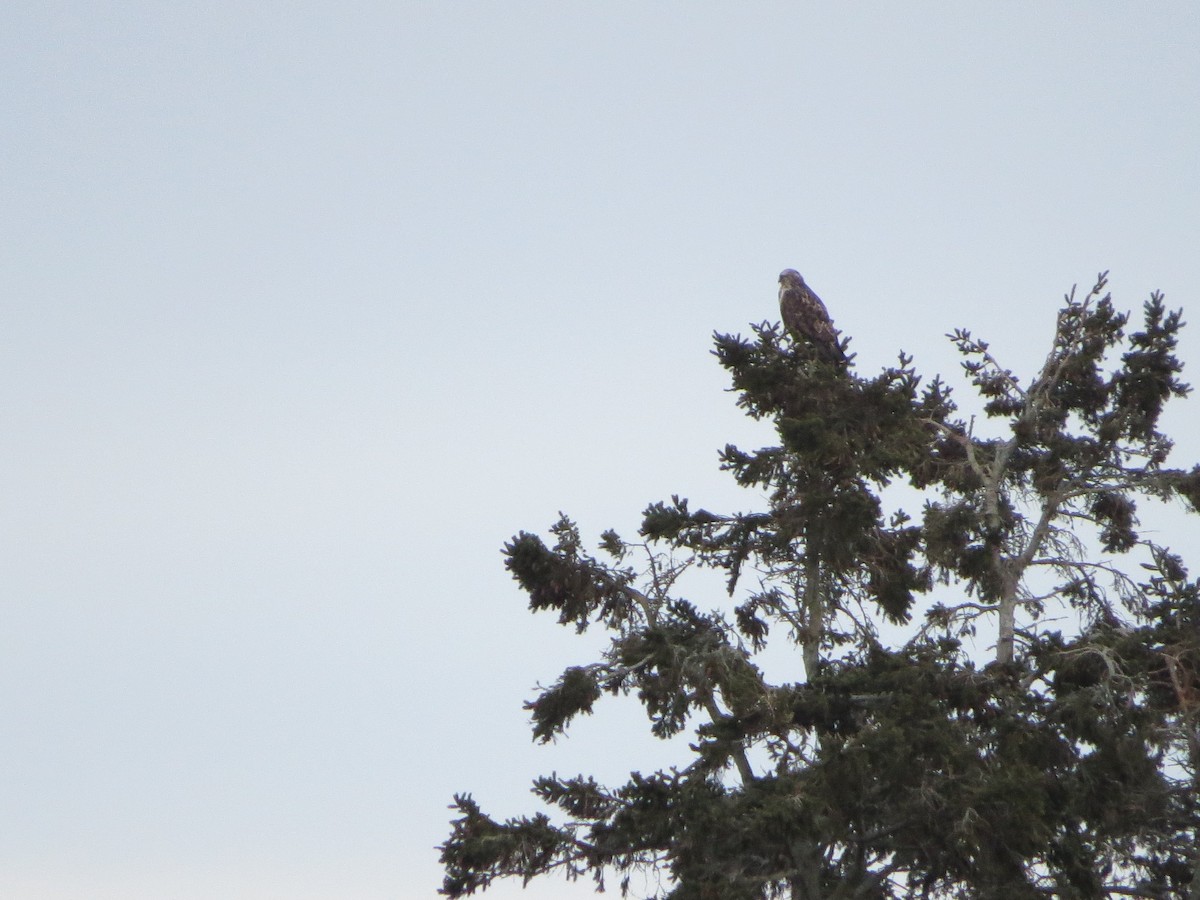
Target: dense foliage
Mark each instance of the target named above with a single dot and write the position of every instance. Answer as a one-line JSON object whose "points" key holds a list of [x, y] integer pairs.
{"points": [[1064, 765]]}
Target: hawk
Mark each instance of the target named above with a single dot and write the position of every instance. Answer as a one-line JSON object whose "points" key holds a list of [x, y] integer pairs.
{"points": [[805, 316]]}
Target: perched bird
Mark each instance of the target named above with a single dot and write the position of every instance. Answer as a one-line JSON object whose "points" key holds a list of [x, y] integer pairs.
{"points": [[805, 316]]}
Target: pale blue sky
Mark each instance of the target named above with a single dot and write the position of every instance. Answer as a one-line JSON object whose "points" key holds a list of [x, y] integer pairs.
{"points": [[306, 308]]}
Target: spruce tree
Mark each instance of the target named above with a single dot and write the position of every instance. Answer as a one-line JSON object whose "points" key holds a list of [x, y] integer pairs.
{"points": [[1063, 764]]}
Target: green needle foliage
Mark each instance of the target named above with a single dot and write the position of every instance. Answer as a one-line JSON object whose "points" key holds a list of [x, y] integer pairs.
{"points": [[1065, 765]]}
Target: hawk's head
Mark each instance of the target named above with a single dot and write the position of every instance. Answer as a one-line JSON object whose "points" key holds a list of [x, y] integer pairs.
{"points": [[790, 278]]}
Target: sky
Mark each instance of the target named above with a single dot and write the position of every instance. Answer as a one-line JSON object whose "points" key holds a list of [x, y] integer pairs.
{"points": [[305, 309]]}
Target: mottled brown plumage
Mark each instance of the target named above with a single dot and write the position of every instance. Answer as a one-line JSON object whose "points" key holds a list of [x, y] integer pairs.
{"points": [[805, 316]]}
